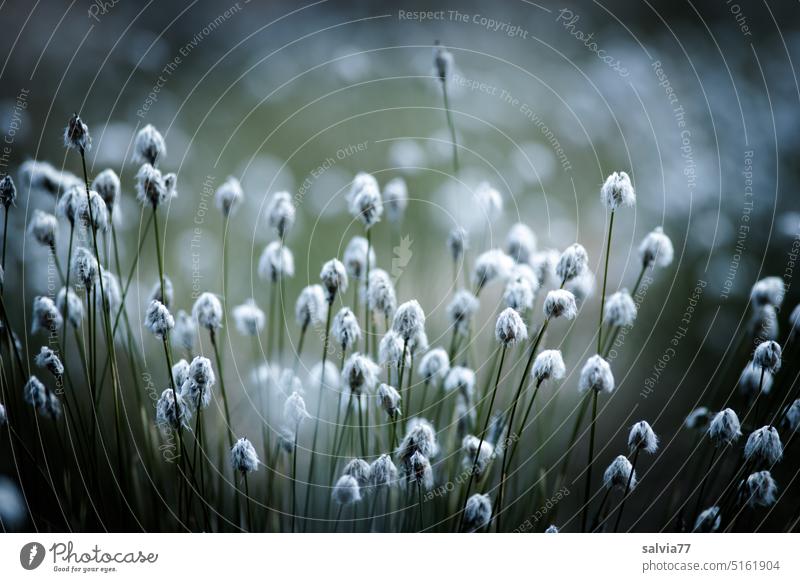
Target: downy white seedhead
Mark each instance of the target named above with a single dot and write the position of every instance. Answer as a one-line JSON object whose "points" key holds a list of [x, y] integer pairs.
{"points": [[764, 447], [519, 294], [473, 457], [620, 310], [390, 350], [596, 375], [249, 318], [420, 437], [243, 456], [167, 297], [409, 321], [43, 176], [490, 201], [656, 249], [108, 186], [442, 62], [754, 378], [381, 296], [228, 196], [457, 242], [477, 512], [548, 365], [35, 394], [74, 310], [361, 181], [708, 521], [311, 307], [617, 191], [461, 309], [149, 146], [158, 320], [8, 192], [724, 428], [151, 188], [382, 472], [185, 331], [276, 262], [617, 474], [49, 360], [768, 356], [510, 328], [460, 379], [281, 213], [334, 279], [764, 322], [84, 267], [167, 413], [93, 211], [180, 372], [69, 203], [760, 489], [76, 135], [294, 409], [698, 419], [207, 310], [345, 331], [46, 316], [419, 471], [359, 374], [434, 365], [768, 291], [43, 228], [642, 437], [520, 243], [359, 470], [355, 257], [551, 529], [112, 289], [3, 422], [791, 418], [395, 199], [346, 490], [491, 265], [560, 303], [572, 262], [367, 205], [389, 399]]}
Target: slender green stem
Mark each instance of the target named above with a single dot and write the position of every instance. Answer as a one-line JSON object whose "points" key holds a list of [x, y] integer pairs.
{"points": [[590, 462], [605, 280], [419, 504], [627, 489], [294, 476], [451, 126], [229, 425]]}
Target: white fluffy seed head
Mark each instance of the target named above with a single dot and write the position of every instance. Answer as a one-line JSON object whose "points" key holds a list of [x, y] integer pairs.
{"points": [[281, 213], [390, 350], [764, 447], [409, 321], [491, 265], [43, 176], [8, 192], [294, 409], [149, 146], [560, 303], [768, 291], [724, 428], [249, 318], [70, 303], [3, 422], [581, 286], [477, 512], [359, 470], [619, 474], [381, 296], [76, 135], [395, 199], [93, 211], [620, 310], [519, 294], [698, 419], [46, 316], [244, 457], [418, 471], [754, 378], [334, 279], [311, 307], [461, 309], [768, 356], [382, 472], [460, 379], [764, 322], [276, 262], [346, 491], [617, 191], [548, 365], [180, 372], [359, 374], [35, 393], [420, 437], [69, 203], [642, 437], [108, 186], [520, 243], [791, 418], [151, 188], [167, 297], [572, 262], [760, 489], [434, 365], [457, 242], [355, 257], [656, 249], [228, 196], [365, 202], [490, 201], [346, 331], [168, 414], [112, 289], [596, 375], [510, 328], [551, 529], [389, 399], [49, 360], [207, 310], [476, 454], [158, 320], [185, 331], [43, 228], [708, 521], [84, 267], [442, 62]]}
